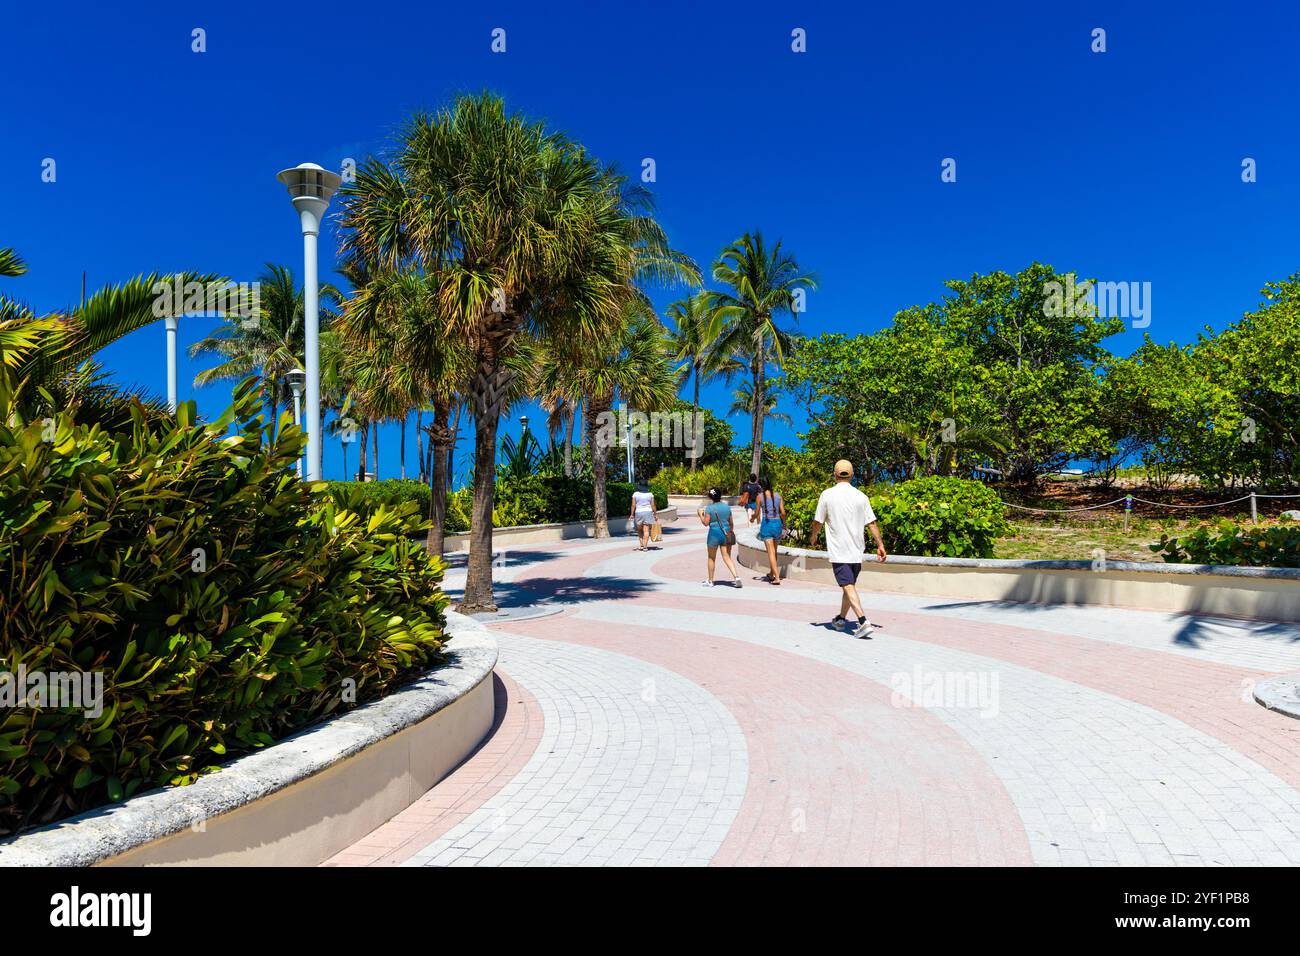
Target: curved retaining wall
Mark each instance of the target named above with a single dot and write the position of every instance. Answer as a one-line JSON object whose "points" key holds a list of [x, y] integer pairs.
{"points": [[558, 531], [1265, 593], [304, 798]]}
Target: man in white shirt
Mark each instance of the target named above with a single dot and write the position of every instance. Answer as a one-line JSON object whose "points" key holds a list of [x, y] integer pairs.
{"points": [[845, 512]]}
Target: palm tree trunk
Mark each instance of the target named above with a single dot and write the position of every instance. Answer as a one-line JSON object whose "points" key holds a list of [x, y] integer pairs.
{"points": [[695, 411], [440, 443], [570, 415], [361, 450], [488, 393], [374, 437], [401, 448], [419, 442], [599, 457], [760, 386]]}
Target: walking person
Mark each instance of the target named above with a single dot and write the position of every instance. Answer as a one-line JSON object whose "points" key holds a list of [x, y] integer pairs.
{"points": [[845, 511], [749, 493], [716, 516], [772, 510], [643, 513]]}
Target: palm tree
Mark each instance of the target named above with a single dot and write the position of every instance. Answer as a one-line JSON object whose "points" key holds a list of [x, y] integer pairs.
{"points": [[743, 403], [522, 234], [67, 339], [632, 365], [762, 285], [693, 340], [272, 345]]}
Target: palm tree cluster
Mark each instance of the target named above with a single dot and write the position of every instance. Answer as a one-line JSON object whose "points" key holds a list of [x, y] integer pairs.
{"points": [[495, 259]]}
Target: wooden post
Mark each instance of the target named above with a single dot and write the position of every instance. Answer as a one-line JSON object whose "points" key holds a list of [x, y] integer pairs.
{"points": [[1128, 506]]}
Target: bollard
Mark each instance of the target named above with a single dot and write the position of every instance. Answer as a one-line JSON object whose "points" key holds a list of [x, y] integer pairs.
{"points": [[1254, 514], [1128, 506]]}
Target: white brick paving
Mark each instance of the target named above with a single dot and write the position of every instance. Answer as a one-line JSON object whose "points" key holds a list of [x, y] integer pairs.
{"points": [[1096, 778], [615, 779]]}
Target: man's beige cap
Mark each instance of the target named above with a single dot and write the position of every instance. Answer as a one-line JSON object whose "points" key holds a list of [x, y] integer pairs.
{"points": [[843, 468]]}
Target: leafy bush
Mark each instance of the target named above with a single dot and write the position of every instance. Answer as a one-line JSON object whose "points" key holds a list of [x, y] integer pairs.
{"points": [[618, 497], [678, 479], [222, 601], [364, 497], [946, 517], [1271, 547], [940, 516], [457, 518]]}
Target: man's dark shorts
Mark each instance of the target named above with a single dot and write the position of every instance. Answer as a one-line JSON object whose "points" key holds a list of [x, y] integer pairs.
{"points": [[846, 574]]}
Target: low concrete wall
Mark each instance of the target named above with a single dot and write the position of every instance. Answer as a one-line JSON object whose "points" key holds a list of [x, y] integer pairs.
{"points": [[692, 503], [1271, 594], [559, 531], [303, 799]]}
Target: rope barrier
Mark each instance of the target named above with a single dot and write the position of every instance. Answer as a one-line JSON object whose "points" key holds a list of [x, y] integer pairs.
{"points": [[1145, 501]]}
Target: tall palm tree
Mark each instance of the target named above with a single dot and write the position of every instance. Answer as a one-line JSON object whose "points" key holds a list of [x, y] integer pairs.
{"points": [[762, 286], [693, 340], [272, 344], [743, 403], [522, 234], [633, 365]]}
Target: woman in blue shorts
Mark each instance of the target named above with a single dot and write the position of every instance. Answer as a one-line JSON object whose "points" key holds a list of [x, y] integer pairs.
{"points": [[771, 509], [717, 518]]}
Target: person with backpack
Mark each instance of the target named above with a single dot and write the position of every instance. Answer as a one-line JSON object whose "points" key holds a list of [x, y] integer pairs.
{"points": [[771, 509], [716, 516], [749, 493]]}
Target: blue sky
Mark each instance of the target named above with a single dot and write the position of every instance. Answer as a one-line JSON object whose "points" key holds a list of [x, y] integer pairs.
{"points": [[1124, 165]]}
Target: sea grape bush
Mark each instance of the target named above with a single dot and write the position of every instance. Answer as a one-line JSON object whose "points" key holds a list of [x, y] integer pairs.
{"points": [[1277, 546], [225, 602]]}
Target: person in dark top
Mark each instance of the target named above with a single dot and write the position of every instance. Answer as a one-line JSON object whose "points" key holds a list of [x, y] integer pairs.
{"points": [[750, 492]]}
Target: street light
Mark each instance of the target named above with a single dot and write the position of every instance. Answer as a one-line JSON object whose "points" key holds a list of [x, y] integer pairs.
{"points": [[170, 322], [311, 188], [297, 378]]}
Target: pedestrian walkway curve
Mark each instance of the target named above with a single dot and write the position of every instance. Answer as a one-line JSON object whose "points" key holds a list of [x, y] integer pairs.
{"points": [[652, 721]]}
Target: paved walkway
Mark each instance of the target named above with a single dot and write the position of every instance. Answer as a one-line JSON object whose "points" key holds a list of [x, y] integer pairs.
{"points": [[652, 721]]}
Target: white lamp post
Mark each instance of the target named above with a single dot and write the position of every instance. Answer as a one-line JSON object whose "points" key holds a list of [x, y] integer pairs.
{"points": [[297, 377], [628, 426], [311, 188], [170, 322]]}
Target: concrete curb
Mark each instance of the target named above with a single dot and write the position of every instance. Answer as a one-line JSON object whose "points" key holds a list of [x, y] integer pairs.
{"points": [[1281, 694], [1260, 593], [556, 531], [160, 826]]}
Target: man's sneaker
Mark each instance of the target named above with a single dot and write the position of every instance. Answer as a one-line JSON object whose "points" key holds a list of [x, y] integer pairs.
{"points": [[735, 583], [707, 584], [839, 623], [864, 630]]}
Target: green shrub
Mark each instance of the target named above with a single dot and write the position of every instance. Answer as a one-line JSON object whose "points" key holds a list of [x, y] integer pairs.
{"points": [[679, 480], [939, 516], [1270, 547], [364, 497], [618, 497], [947, 517], [297, 599], [456, 521]]}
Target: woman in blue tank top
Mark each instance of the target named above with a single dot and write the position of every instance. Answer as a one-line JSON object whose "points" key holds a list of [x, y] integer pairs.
{"points": [[771, 509], [716, 516]]}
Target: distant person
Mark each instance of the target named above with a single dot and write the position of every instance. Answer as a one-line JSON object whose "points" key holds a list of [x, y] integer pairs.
{"points": [[716, 516], [771, 509], [749, 493], [643, 513], [845, 512]]}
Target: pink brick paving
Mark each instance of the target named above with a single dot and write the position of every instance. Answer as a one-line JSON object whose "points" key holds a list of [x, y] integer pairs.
{"points": [[836, 774], [515, 733]]}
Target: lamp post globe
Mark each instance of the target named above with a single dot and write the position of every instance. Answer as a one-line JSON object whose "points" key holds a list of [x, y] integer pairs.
{"points": [[311, 187]]}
